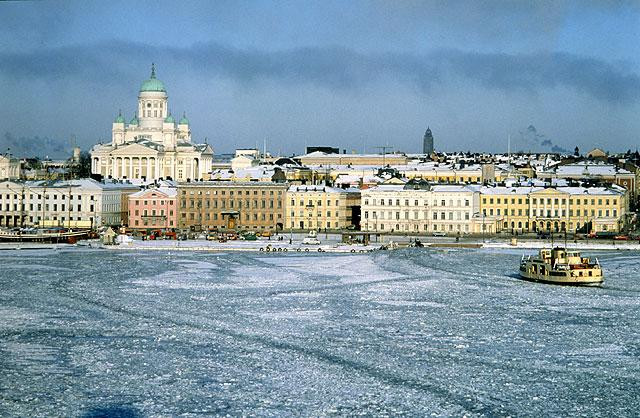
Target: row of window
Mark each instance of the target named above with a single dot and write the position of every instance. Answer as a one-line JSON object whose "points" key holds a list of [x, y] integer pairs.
{"points": [[416, 202], [417, 227], [62, 207], [541, 201], [231, 192], [319, 214], [153, 202], [310, 202], [214, 216], [47, 196], [552, 212], [231, 204], [457, 215]]}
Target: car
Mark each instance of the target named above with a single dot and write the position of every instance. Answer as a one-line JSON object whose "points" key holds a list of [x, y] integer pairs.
{"points": [[311, 241], [439, 234], [265, 234], [621, 238]]}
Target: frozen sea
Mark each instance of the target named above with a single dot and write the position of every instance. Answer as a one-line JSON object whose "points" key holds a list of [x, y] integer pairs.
{"points": [[415, 332]]}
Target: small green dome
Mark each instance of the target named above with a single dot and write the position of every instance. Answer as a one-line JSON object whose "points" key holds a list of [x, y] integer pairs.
{"points": [[134, 121], [184, 120], [152, 84], [119, 118], [169, 119]]}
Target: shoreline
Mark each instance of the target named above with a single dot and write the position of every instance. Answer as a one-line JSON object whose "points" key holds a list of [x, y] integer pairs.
{"points": [[330, 245]]}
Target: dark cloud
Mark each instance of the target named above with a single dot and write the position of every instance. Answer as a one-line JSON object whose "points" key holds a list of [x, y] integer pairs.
{"points": [[332, 67], [34, 146]]}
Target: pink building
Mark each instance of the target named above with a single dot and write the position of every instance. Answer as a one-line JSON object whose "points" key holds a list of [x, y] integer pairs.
{"points": [[154, 208]]}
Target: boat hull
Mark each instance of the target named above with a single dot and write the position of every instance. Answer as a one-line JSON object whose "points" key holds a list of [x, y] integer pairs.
{"points": [[564, 281], [62, 238]]}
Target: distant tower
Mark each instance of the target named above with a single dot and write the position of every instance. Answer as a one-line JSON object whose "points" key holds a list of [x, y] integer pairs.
{"points": [[427, 142]]}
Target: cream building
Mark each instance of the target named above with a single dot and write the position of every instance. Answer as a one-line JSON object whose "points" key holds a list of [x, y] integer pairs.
{"points": [[152, 145], [83, 203], [9, 167], [419, 207]]}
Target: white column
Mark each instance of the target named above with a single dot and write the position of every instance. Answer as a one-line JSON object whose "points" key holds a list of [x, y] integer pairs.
{"points": [[130, 168]]}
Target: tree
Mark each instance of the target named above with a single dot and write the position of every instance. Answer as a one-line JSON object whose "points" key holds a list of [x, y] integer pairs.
{"points": [[84, 165]]}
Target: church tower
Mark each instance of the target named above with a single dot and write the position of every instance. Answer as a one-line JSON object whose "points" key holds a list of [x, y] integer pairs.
{"points": [[427, 142], [152, 103]]}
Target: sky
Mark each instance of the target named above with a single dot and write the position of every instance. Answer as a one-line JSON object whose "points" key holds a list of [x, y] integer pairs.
{"points": [[358, 75]]}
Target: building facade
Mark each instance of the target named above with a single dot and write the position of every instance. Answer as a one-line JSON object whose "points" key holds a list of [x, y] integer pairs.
{"points": [[418, 207], [154, 208], [152, 145], [322, 207], [255, 206], [83, 203], [9, 167], [555, 209]]}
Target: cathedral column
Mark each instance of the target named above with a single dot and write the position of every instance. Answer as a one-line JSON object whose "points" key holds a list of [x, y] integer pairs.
{"points": [[130, 168], [149, 169], [139, 167]]}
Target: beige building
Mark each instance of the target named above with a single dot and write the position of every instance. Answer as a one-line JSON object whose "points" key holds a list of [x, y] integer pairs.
{"points": [[322, 207], [9, 167], [225, 205], [152, 145]]}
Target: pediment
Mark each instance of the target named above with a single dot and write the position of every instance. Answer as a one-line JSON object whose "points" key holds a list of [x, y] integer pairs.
{"points": [[134, 149]]}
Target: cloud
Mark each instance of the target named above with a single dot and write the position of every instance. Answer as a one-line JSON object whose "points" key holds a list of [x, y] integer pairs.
{"points": [[34, 146], [332, 68]]}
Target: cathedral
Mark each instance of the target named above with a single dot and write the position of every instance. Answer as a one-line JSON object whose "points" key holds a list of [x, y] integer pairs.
{"points": [[152, 145]]}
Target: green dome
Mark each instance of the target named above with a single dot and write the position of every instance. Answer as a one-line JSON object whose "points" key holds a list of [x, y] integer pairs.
{"points": [[134, 121], [152, 84], [184, 120], [169, 119], [119, 118]]}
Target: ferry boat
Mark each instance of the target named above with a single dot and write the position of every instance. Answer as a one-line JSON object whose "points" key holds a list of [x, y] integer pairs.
{"points": [[560, 266]]}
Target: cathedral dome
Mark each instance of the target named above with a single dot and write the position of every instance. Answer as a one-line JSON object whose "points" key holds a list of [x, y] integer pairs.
{"points": [[184, 120], [169, 119], [134, 121], [152, 84], [119, 118]]}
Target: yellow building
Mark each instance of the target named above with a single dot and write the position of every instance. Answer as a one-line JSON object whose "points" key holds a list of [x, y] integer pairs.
{"points": [[322, 207], [532, 209]]}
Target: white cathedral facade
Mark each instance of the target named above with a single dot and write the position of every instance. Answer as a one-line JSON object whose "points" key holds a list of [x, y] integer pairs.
{"points": [[152, 145]]}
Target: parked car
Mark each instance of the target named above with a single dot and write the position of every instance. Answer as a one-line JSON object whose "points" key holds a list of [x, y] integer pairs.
{"points": [[311, 241], [266, 234], [621, 238], [439, 234]]}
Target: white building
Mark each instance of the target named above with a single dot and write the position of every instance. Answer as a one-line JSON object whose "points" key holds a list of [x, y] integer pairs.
{"points": [[152, 145], [83, 203], [418, 207], [9, 167]]}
